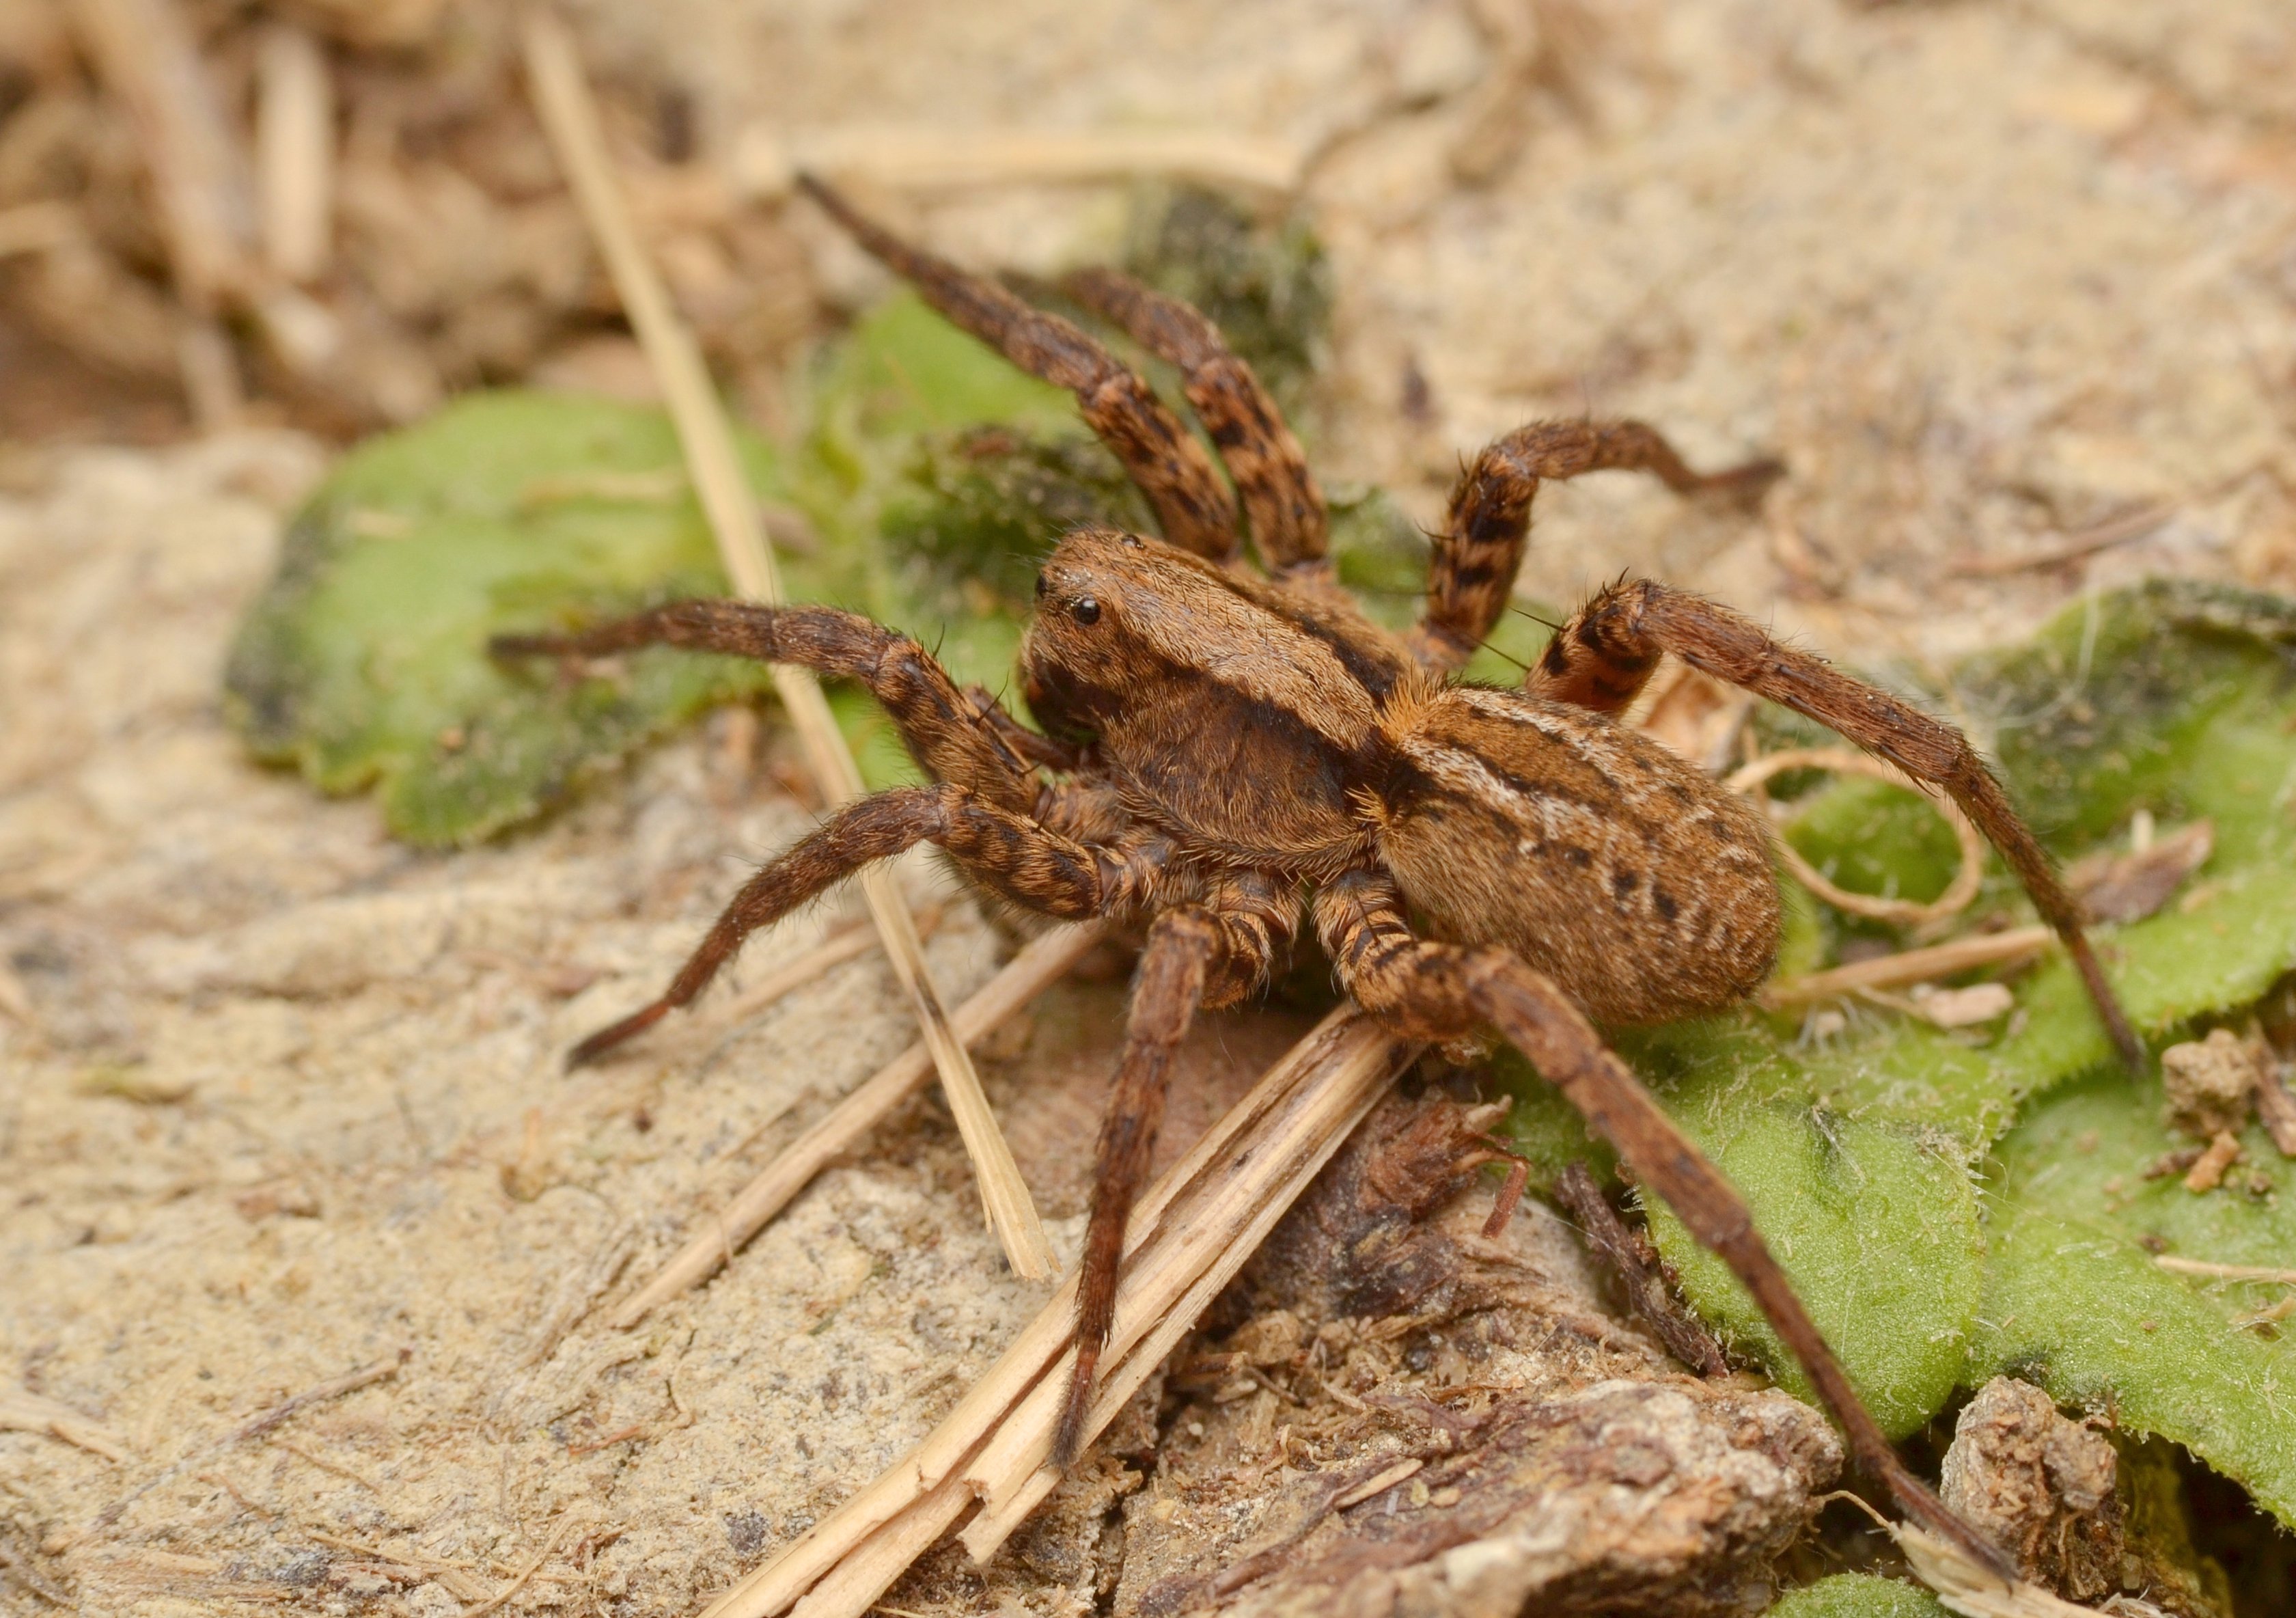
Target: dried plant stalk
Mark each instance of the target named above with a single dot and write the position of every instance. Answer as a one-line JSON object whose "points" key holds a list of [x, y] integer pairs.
{"points": [[1845, 760], [1910, 966], [1191, 1232], [767, 164], [2226, 1272], [1044, 962], [569, 115], [295, 151]]}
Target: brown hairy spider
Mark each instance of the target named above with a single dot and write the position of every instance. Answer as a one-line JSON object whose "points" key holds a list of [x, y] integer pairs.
{"points": [[1231, 751]]}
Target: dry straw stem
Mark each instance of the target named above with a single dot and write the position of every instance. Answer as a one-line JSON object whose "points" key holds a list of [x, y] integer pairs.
{"points": [[766, 164], [569, 115], [1910, 966], [1903, 912], [2226, 1272], [1195, 1229], [294, 152], [1042, 963], [1973, 1591]]}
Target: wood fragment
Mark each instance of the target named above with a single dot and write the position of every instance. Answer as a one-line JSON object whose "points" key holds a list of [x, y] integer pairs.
{"points": [[1647, 1293], [1903, 912], [1379, 1484], [569, 116], [1040, 963], [524, 1574], [1191, 1232], [2128, 887], [1909, 966], [2208, 1173]]}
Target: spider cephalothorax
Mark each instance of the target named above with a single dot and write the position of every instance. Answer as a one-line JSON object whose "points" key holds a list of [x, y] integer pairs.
{"points": [[1226, 753]]}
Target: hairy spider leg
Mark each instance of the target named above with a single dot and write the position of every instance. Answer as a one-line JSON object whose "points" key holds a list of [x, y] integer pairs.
{"points": [[1480, 548], [1619, 635], [1441, 991], [949, 732], [1196, 955], [1281, 503], [1008, 853], [1162, 456]]}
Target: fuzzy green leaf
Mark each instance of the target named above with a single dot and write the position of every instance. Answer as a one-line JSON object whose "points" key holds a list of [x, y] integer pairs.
{"points": [[1859, 1596]]}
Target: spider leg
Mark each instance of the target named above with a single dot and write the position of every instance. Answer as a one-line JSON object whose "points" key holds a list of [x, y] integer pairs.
{"points": [[949, 732], [1281, 501], [1480, 549], [1163, 457], [1625, 628], [1439, 991], [1009, 852], [1196, 955]]}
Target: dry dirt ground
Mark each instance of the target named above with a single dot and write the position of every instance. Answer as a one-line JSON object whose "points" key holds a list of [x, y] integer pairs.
{"points": [[279, 1101]]}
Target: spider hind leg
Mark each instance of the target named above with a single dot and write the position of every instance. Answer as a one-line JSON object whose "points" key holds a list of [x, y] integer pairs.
{"points": [[1629, 625], [1437, 992]]}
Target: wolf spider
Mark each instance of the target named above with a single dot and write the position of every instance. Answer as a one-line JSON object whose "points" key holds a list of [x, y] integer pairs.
{"points": [[1231, 750]]}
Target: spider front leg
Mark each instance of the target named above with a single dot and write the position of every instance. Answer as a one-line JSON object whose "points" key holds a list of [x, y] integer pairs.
{"points": [[1480, 551], [1615, 639], [1196, 954], [956, 736], [1441, 991], [1009, 852], [1157, 449], [1281, 502]]}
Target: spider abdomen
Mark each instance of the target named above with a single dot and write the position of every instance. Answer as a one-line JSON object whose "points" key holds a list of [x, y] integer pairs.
{"points": [[1592, 851]]}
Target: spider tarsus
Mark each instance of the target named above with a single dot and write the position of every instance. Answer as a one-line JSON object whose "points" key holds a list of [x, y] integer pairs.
{"points": [[1918, 1502], [2109, 1008], [1068, 1437], [598, 1043], [1742, 486]]}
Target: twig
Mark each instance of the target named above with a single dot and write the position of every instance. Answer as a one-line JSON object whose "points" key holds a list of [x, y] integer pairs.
{"points": [[294, 152], [23, 1411], [257, 1425], [2226, 1272], [2083, 542], [524, 1574], [1191, 1232], [571, 117], [1901, 911], [767, 164], [1909, 966], [1688, 1341], [1041, 963]]}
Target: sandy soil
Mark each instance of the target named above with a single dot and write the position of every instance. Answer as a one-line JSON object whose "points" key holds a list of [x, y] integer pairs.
{"points": [[280, 1102]]}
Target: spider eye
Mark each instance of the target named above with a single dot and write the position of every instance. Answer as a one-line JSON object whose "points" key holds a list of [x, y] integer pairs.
{"points": [[1086, 610], [1043, 587]]}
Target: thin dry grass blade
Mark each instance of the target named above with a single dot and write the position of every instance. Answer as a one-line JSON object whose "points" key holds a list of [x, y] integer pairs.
{"points": [[1197, 1225], [571, 117], [1910, 966], [1042, 963], [768, 163]]}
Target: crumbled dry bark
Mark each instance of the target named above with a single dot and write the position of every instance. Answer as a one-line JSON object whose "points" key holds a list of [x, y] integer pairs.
{"points": [[2211, 1084], [1406, 1415], [2038, 1485]]}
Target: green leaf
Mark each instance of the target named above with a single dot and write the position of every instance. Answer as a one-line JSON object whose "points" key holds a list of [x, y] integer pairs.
{"points": [[364, 663], [1859, 1596], [2074, 1301]]}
